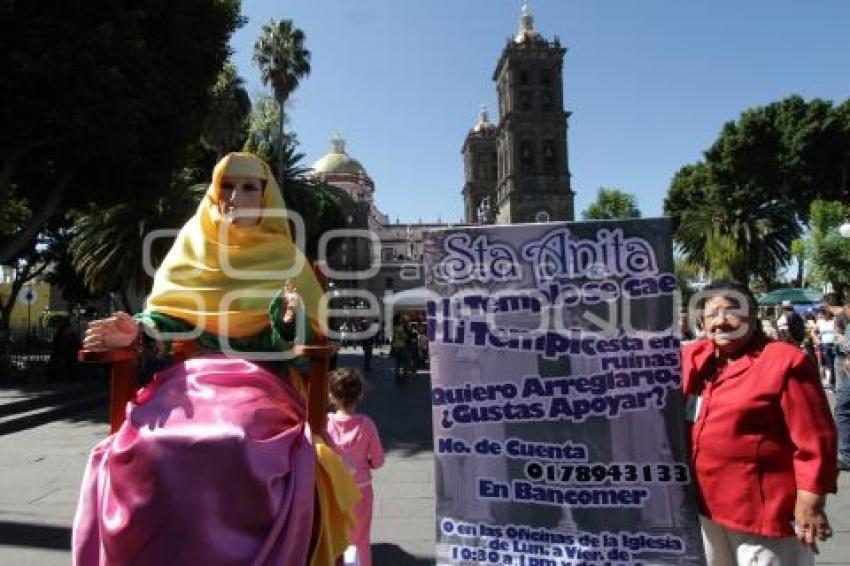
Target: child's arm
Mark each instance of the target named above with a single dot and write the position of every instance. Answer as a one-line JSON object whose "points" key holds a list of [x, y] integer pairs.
{"points": [[376, 449]]}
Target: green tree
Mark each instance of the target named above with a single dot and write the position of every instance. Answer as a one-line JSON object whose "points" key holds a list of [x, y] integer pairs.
{"points": [[226, 124], [687, 276], [107, 248], [740, 239], [283, 61], [612, 204], [13, 213], [740, 208], [101, 99], [791, 150], [800, 254], [65, 277], [263, 139], [830, 252]]}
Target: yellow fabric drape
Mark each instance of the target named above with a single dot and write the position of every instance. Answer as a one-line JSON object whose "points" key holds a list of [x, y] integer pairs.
{"points": [[220, 277], [337, 494]]}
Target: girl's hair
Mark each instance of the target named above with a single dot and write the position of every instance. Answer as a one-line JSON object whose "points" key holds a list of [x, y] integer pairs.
{"points": [[346, 385]]}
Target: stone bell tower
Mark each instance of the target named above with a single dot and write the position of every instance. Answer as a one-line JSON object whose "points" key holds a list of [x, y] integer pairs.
{"points": [[533, 176], [480, 171]]}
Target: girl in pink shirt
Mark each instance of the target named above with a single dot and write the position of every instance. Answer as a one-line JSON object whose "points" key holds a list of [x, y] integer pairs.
{"points": [[356, 439]]}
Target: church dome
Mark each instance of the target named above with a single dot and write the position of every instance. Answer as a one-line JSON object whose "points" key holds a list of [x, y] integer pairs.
{"points": [[337, 161]]}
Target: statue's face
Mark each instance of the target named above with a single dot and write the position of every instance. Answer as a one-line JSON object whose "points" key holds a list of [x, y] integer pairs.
{"points": [[241, 199]]}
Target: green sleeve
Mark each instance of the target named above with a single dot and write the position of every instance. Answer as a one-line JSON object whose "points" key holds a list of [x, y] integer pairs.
{"points": [[162, 322], [279, 336]]}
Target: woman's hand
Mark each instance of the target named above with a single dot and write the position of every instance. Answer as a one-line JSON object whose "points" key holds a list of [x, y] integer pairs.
{"points": [[810, 522], [117, 331]]}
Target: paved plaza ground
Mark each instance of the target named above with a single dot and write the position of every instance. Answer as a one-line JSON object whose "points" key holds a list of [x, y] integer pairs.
{"points": [[41, 467]]}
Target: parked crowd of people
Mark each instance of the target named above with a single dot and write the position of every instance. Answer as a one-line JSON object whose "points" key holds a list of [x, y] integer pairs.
{"points": [[821, 331]]}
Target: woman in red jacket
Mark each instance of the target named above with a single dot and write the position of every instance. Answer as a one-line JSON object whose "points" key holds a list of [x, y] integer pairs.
{"points": [[763, 443]]}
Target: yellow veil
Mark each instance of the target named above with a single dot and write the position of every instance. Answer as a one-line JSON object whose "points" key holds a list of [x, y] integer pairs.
{"points": [[221, 277]]}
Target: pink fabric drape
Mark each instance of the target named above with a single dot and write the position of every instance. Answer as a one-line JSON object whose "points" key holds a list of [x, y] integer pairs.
{"points": [[213, 466]]}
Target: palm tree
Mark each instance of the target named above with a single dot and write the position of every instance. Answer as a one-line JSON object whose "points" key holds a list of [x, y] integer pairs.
{"points": [[739, 239], [225, 127], [612, 204], [107, 245], [283, 61]]}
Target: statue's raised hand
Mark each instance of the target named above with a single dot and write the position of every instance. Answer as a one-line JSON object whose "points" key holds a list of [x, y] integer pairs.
{"points": [[289, 301]]}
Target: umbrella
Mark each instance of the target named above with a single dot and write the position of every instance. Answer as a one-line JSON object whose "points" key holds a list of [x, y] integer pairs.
{"points": [[796, 296]]}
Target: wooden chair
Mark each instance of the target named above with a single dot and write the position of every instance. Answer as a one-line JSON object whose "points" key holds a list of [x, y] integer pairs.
{"points": [[124, 366]]}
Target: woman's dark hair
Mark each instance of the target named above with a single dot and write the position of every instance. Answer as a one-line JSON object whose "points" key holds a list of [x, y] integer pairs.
{"points": [[733, 290], [724, 287], [346, 385]]}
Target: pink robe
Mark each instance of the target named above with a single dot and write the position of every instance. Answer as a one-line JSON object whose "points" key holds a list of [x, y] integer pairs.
{"points": [[213, 466], [357, 441]]}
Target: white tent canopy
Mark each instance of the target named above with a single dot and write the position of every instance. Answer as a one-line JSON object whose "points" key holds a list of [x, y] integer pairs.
{"points": [[411, 299]]}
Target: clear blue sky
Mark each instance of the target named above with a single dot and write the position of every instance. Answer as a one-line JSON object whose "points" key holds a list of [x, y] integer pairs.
{"points": [[649, 82]]}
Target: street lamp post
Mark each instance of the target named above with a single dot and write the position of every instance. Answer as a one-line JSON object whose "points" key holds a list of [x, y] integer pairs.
{"points": [[29, 297]]}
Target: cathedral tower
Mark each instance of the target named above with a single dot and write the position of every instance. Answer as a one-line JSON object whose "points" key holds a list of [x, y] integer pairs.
{"points": [[480, 167], [533, 176]]}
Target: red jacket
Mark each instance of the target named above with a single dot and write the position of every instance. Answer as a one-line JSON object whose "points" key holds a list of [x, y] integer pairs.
{"points": [[763, 430]]}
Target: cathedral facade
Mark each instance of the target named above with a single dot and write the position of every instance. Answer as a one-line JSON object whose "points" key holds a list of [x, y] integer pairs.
{"points": [[515, 170]]}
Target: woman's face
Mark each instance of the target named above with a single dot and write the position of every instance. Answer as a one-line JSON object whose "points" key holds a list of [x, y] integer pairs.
{"points": [[241, 199], [727, 325]]}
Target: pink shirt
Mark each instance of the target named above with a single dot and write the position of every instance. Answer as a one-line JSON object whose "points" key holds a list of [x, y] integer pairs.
{"points": [[357, 441]]}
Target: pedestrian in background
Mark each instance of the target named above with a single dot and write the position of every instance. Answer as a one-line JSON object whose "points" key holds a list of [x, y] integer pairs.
{"points": [[792, 328], [826, 339], [842, 384], [368, 344], [842, 345], [399, 346]]}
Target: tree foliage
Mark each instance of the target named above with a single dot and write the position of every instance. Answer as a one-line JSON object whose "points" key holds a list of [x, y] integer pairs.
{"points": [[101, 99], [264, 135], [737, 211], [829, 251], [226, 125], [108, 248], [283, 61], [612, 204]]}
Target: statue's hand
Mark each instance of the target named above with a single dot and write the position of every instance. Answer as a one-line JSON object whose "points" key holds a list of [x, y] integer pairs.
{"points": [[289, 300], [117, 331]]}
